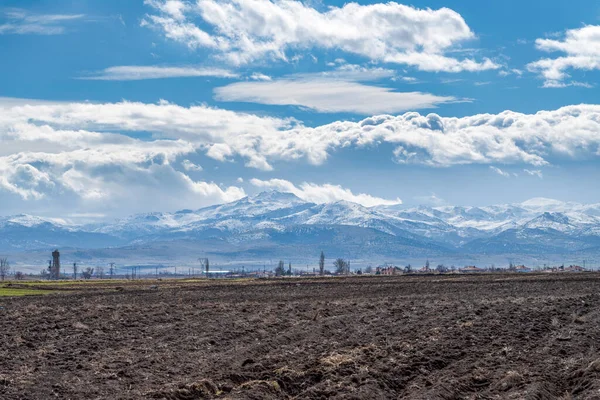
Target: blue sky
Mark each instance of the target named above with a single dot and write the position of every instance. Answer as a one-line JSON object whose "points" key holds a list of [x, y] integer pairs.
{"points": [[112, 107]]}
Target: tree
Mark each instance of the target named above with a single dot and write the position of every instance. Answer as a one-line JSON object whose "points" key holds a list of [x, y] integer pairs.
{"points": [[4, 268], [19, 276], [289, 271], [322, 264], [369, 270], [100, 272], [441, 268], [87, 273], [427, 265], [408, 269], [280, 270], [341, 266]]}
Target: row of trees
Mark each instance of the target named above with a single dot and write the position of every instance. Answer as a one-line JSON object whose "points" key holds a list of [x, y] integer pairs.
{"points": [[5, 270], [341, 266]]}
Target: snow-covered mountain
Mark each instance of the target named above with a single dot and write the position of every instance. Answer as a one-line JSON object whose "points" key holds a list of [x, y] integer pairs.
{"points": [[272, 221]]}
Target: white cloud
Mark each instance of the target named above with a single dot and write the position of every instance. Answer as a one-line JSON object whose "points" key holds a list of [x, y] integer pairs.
{"points": [[581, 47], [257, 76], [244, 31], [329, 95], [190, 166], [325, 193], [21, 22], [55, 169], [84, 130], [559, 84], [534, 172], [138, 72], [80, 153], [499, 171]]}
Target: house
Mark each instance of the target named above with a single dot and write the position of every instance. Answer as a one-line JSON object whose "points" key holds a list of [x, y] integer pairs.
{"points": [[385, 270], [574, 268], [522, 268]]}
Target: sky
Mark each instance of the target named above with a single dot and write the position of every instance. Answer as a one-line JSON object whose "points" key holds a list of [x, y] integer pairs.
{"points": [[114, 107]]}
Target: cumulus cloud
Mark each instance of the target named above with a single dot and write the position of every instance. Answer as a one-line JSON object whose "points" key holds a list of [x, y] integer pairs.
{"points": [[54, 168], [325, 193], [190, 166], [21, 22], [257, 76], [139, 72], [581, 48], [244, 31]]}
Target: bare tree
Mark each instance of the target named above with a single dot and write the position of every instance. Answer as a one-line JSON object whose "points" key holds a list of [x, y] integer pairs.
{"points": [[100, 272], [87, 273], [4, 268], [19, 276], [280, 269], [341, 266], [322, 263], [289, 271]]}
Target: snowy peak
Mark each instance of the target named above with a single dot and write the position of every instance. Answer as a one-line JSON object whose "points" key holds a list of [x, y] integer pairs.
{"points": [[274, 197], [31, 221], [548, 220]]}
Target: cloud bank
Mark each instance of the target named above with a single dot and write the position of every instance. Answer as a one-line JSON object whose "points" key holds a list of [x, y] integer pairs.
{"points": [[76, 154], [246, 31]]}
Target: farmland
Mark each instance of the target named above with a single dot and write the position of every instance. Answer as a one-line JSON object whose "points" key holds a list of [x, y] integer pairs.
{"points": [[423, 337]]}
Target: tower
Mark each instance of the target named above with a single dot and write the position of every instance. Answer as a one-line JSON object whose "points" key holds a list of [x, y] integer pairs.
{"points": [[55, 267]]}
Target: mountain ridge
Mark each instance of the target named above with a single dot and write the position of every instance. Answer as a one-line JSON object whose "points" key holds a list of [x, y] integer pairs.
{"points": [[273, 219]]}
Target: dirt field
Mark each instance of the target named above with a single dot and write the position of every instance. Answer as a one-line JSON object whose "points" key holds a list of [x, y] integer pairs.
{"points": [[454, 337]]}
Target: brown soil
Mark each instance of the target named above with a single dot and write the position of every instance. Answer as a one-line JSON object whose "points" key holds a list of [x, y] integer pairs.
{"points": [[452, 337]]}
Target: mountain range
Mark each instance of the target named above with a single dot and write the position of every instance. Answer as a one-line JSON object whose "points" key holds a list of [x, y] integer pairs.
{"points": [[259, 229]]}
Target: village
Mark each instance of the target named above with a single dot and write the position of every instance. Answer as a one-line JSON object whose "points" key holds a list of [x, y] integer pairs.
{"points": [[341, 267]]}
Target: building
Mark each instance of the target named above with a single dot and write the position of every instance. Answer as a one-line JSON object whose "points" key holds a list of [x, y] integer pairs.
{"points": [[54, 268], [522, 268], [574, 268]]}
